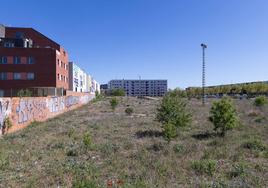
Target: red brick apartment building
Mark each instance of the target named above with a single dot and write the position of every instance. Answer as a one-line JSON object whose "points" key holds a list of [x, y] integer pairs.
{"points": [[30, 60]]}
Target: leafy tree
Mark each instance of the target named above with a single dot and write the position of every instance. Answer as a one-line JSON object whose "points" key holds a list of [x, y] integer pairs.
{"points": [[173, 113], [223, 115], [179, 92]]}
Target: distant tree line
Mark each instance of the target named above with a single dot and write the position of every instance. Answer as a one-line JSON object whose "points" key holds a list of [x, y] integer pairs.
{"points": [[251, 89]]}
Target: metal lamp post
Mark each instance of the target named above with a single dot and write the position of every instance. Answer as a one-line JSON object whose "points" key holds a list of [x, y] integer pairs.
{"points": [[204, 46]]}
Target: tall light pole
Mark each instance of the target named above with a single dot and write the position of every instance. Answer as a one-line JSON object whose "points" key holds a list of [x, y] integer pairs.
{"points": [[204, 46]]}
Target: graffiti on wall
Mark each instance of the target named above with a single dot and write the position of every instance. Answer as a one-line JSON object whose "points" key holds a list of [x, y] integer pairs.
{"points": [[23, 111], [71, 100], [5, 110], [85, 99], [30, 109], [56, 104]]}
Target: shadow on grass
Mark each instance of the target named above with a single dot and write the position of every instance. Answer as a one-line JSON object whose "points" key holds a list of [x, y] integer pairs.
{"points": [[205, 135], [149, 133]]}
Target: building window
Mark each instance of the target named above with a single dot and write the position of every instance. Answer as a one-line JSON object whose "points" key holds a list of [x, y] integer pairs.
{"points": [[30, 60], [17, 76], [58, 76], [58, 62], [3, 60], [16, 60], [3, 76], [61, 64], [61, 77], [30, 76]]}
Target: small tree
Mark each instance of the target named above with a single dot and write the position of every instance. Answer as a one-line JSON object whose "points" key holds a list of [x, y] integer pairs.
{"points": [[223, 115], [114, 103], [173, 113]]}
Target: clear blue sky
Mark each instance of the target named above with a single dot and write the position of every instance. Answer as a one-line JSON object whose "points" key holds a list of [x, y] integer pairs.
{"points": [[154, 38]]}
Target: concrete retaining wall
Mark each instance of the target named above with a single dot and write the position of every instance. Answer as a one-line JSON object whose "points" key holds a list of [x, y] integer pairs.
{"points": [[22, 111]]}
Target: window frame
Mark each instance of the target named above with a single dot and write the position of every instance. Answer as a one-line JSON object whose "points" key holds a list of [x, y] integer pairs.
{"points": [[30, 60], [3, 60], [30, 77], [15, 77], [3, 75], [17, 60]]}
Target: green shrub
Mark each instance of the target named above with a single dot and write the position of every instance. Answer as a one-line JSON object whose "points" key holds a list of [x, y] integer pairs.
{"points": [[255, 144], [114, 103], [97, 94], [8, 123], [4, 161], [118, 92], [173, 113], [260, 119], [72, 153], [108, 149], [239, 170], [173, 109], [71, 132], [98, 97], [260, 101], [205, 166], [265, 154], [129, 111], [223, 116], [178, 148], [170, 131], [87, 139]]}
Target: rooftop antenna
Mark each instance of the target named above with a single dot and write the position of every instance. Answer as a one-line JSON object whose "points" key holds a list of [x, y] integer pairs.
{"points": [[204, 46]]}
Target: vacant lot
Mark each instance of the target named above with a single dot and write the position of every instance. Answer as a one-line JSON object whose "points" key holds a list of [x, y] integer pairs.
{"points": [[94, 146]]}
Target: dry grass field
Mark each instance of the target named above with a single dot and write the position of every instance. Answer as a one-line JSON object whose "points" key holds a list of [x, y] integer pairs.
{"points": [[95, 146]]}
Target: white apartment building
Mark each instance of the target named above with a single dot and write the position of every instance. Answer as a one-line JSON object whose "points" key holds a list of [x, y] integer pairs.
{"points": [[153, 88], [95, 86], [80, 81], [77, 78]]}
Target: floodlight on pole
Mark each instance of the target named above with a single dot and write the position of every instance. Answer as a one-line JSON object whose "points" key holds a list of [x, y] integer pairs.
{"points": [[204, 46]]}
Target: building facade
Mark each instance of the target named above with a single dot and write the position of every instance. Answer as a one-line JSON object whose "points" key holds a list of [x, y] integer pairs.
{"points": [[95, 86], [81, 81], [28, 59], [153, 88], [78, 81]]}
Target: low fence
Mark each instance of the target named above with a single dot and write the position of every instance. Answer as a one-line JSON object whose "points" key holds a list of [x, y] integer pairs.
{"points": [[17, 113]]}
